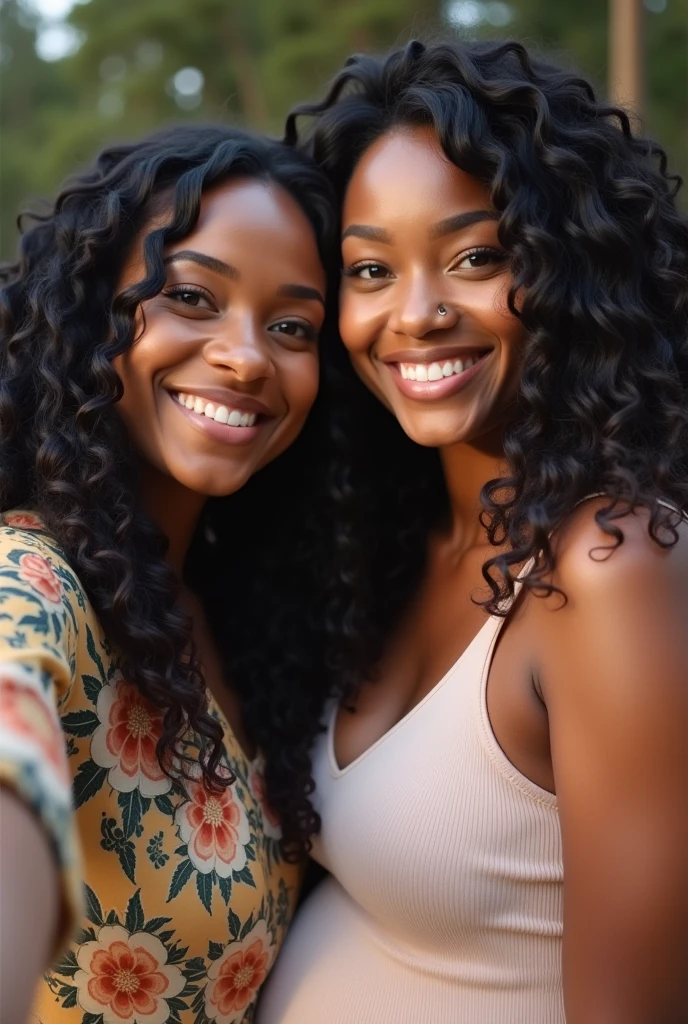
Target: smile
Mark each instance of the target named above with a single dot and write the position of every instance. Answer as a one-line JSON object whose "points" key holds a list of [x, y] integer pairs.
{"points": [[220, 422], [435, 371], [219, 413], [436, 380]]}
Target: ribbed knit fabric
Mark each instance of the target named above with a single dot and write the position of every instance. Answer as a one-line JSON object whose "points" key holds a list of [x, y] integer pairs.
{"points": [[445, 902]]}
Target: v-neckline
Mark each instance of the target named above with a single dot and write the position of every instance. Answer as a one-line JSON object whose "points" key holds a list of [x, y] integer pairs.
{"points": [[337, 772]]}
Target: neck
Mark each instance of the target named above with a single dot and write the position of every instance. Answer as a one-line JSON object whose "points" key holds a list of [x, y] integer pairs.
{"points": [[175, 509], [467, 468]]}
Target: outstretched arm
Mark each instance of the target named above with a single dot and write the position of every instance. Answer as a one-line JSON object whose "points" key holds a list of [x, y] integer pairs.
{"points": [[29, 905], [615, 681]]}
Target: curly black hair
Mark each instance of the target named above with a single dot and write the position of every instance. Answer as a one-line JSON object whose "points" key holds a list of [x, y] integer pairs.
{"points": [[64, 450], [599, 256]]}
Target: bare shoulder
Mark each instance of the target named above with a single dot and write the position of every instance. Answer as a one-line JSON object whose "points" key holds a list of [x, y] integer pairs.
{"points": [[591, 565]]}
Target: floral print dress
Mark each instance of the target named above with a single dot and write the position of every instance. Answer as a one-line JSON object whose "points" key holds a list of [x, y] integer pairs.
{"points": [[176, 898]]}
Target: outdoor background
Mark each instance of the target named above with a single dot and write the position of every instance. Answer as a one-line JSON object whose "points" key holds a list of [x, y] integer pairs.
{"points": [[76, 75]]}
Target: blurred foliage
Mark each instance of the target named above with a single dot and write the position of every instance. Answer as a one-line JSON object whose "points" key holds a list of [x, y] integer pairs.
{"points": [[248, 61]]}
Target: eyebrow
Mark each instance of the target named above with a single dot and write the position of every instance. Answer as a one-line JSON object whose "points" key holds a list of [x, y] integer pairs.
{"points": [[209, 262], [289, 291], [300, 291], [445, 227], [368, 233], [461, 221]]}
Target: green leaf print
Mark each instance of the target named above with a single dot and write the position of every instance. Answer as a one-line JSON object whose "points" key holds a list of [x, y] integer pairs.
{"points": [[234, 924], [176, 953], [95, 657], [89, 780], [115, 840], [225, 885], [215, 950], [134, 920], [92, 688], [94, 911], [92, 1018], [155, 923], [182, 874], [248, 925], [67, 966], [70, 1000], [40, 623], [204, 887], [244, 876], [165, 805], [80, 723], [133, 807]]}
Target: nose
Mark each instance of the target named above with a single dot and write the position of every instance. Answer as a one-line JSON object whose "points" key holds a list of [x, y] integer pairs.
{"points": [[242, 348], [418, 309]]}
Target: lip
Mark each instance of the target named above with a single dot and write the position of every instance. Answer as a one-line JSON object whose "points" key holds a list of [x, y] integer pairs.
{"points": [[438, 354], [220, 396], [433, 390], [219, 431]]}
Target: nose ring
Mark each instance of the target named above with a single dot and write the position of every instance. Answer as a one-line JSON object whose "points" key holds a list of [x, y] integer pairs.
{"points": [[442, 310]]}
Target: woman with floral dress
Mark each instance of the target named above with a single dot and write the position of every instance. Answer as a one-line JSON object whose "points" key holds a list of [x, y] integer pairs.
{"points": [[159, 347]]}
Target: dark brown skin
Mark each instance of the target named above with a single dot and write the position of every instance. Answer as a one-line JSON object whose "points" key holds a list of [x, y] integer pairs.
{"points": [[250, 336], [588, 700]]}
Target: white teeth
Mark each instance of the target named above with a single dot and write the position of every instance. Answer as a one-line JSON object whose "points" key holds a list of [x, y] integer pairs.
{"points": [[436, 371], [219, 413]]}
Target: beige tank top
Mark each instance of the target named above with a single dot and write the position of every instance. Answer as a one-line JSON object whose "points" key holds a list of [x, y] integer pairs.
{"points": [[445, 901]]}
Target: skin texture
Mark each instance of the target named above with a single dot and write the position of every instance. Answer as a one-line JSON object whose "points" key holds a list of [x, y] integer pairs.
{"points": [[29, 907], [250, 334], [588, 699]]}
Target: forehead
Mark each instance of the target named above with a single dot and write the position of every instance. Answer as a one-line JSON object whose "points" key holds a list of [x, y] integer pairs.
{"points": [[406, 175], [265, 212]]}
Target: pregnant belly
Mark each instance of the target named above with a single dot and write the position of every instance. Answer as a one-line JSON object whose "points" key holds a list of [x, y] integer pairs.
{"points": [[336, 968]]}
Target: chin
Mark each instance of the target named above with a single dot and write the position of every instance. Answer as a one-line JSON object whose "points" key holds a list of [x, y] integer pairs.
{"points": [[439, 435]]}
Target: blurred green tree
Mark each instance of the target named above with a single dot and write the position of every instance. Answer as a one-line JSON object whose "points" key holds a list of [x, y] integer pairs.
{"points": [[144, 63]]}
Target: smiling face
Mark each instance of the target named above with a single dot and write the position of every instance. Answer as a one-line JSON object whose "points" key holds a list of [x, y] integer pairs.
{"points": [[424, 311], [222, 376]]}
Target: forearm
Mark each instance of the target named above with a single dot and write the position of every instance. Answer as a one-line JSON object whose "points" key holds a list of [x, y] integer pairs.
{"points": [[29, 905]]}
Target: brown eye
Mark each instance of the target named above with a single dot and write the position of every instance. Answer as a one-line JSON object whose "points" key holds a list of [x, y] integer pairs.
{"points": [[368, 271], [294, 329], [480, 259], [188, 297]]}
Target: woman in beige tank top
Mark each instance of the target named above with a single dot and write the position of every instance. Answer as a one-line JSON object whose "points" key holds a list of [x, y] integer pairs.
{"points": [[503, 796]]}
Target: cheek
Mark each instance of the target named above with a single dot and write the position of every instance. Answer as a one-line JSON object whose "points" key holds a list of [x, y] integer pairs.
{"points": [[300, 379], [357, 323]]}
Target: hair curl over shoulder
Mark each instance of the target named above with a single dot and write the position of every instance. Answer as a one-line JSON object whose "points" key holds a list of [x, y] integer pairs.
{"points": [[599, 256], [64, 450]]}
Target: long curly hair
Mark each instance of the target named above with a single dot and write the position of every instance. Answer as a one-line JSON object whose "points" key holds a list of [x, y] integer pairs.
{"points": [[64, 452], [599, 257]]}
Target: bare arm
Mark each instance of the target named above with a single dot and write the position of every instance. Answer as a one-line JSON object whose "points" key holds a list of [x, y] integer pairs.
{"points": [[29, 901], [615, 681]]}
